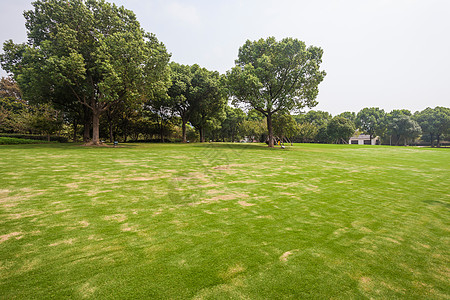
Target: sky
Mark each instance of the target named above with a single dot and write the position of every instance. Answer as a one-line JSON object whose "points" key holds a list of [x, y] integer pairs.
{"points": [[391, 54]]}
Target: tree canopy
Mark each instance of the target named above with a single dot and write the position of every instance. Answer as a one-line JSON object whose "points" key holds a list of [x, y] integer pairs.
{"points": [[270, 76], [93, 52], [435, 122], [370, 120]]}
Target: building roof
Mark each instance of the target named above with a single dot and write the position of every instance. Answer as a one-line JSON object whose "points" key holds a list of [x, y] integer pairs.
{"points": [[363, 137]]}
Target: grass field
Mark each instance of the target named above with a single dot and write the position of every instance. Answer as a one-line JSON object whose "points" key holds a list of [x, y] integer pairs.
{"points": [[220, 221]]}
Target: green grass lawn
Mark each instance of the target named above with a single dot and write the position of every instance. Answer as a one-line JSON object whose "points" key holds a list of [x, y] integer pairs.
{"points": [[220, 221]]}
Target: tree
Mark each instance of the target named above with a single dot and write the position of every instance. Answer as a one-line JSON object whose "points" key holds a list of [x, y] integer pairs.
{"points": [[349, 115], [180, 93], [208, 100], [388, 123], [404, 127], [95, 50], [285, 126], [254, 129], [318, 119], [12, 106], [370, 121], [45, 120], [434, 122], [230, 127], [307, 132], [340, 129], [270, 76]]}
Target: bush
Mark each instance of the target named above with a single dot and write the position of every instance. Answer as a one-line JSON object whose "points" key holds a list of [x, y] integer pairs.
{"points": [[17, 141], [61, 139]]}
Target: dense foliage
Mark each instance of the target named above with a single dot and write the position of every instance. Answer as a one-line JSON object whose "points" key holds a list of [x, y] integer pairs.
{"points": [[89, 72]]}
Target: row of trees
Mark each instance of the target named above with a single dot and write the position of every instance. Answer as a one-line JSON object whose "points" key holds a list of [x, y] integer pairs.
{"points": [[90, 70], [401, 126], [92, 61], [188, 115]]}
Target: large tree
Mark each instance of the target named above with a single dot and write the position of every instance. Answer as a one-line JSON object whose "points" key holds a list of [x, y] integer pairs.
{"points": [[208, 100], [230, 127], [403, 126], [370, 121], [285, 126], [340, 129], [181, 93], [271, 75], [435, 122], [93, 49]]}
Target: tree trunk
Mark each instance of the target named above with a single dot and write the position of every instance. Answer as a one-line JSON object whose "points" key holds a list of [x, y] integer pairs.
{"points": [[183, 128], [110, 126], [161, 131], [75, 126], [87, 127], [111, 134], [96, 127], [202, 134], [431, 140], [438, 140], [269, 127]]}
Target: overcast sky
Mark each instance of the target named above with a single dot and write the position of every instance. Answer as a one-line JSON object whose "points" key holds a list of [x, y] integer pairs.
{"points": [[384, 53]]}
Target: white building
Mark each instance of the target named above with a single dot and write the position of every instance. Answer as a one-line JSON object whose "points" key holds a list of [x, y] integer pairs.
{"points": [[364, 139]]}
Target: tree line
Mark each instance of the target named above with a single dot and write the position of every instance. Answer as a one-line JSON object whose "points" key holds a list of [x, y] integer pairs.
{"points": [[179, 118], [90, 72]]}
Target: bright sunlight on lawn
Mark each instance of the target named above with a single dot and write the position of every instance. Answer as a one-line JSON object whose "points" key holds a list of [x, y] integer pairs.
{"points": [[212, 221]]}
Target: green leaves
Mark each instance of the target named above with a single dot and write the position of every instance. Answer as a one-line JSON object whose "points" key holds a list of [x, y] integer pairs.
{"points": [[271, 76], [93, 50]]}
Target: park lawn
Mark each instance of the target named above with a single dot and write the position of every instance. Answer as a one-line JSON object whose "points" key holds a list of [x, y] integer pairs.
{"points": [[219, 221]]}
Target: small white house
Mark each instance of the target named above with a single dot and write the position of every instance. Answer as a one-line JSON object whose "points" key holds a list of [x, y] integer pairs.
{"points": [[364, 139]]}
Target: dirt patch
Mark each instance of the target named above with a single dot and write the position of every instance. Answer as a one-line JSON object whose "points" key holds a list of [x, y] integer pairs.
{"points": [[5, 237], [72, 185], [227, 167], [243, 203], [118, 218], [248, 181], [127, 228], [87, 290], [225, 197], [221, 168], [143, 178], [96, 192], [193, 175], [212, 192], [232, 271], [84, 224], [265, 217], [285, 256], [366, 283], [392, 240]]}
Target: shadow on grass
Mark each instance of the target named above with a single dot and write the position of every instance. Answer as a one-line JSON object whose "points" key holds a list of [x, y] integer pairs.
{"points": [[238, 146], [437, 202], [66, 146]]}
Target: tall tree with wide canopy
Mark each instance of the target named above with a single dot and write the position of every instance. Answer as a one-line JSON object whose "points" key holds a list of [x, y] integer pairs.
{"points": [[181, 93], [403, 126], [340, 129], [196, 95], [208, 100], [435, 122], [270, 76], [92, 48], [370, 121]]}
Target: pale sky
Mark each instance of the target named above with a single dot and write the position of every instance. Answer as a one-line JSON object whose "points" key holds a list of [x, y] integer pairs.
{"points": [[390, 54]]}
